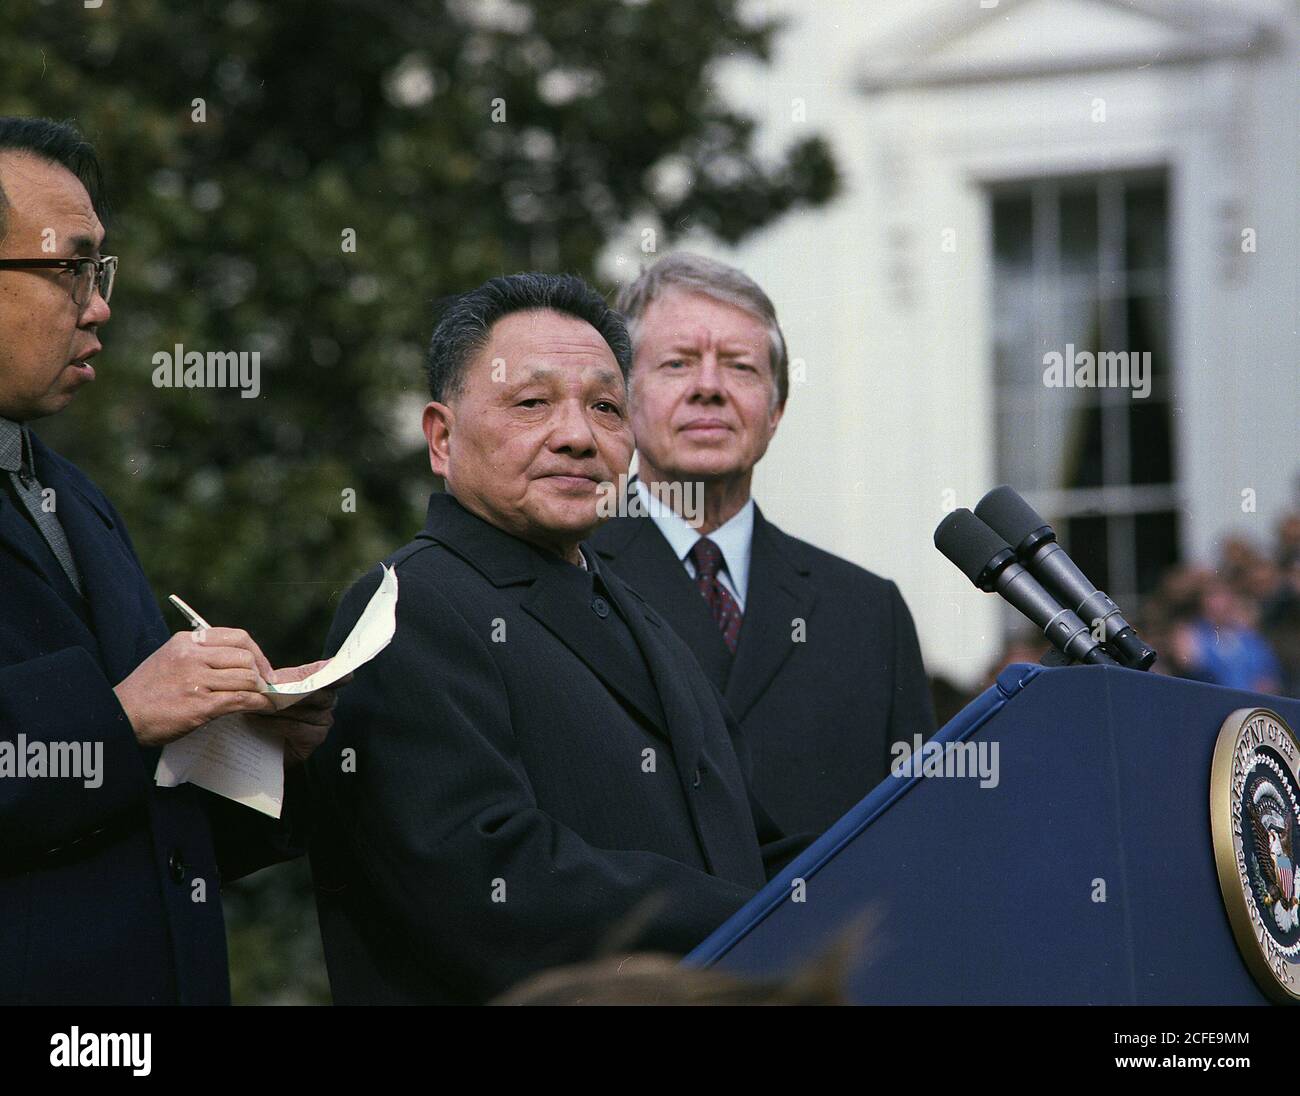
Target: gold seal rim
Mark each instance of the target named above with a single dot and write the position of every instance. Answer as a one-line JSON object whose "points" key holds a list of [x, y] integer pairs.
{"points": [[1235, 898]]}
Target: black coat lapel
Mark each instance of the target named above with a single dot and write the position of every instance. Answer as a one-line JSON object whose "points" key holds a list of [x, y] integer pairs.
{"points": [[583, 632], [637, 550], [113, 583], [24, 540], [780, 594], [667, 676], [505, 560]]}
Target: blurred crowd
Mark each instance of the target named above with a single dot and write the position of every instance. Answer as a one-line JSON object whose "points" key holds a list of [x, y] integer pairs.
{"points": [[1235, 623]]}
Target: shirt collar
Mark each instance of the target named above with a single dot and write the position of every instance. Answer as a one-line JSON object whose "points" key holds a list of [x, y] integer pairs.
{"points": [[733, 537], [11, 446]]}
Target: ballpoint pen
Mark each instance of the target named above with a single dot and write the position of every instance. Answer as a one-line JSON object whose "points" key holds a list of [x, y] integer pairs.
{"points": [[195, 620]]}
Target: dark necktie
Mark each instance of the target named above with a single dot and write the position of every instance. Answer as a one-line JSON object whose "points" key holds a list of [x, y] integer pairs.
{"points": [[30, 493], [707, 558]]}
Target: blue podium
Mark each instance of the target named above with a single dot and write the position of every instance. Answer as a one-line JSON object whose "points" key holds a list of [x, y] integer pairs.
{"points": [[1086, 874]]}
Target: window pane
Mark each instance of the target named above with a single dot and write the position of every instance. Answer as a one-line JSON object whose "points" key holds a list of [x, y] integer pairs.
{"points": [[1150, 442], [1157, 548], [1082, 443], [1079, 327], [1079, 231], [1013, 236], [1145, 226], [1085, 539], [1016, 354], [1147, 331]]}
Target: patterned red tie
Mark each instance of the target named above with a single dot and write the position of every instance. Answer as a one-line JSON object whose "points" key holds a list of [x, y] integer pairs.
{"points": [[707, 558]]}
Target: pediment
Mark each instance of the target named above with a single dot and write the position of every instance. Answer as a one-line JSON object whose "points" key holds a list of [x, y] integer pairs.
{"points": [[965, 43]]}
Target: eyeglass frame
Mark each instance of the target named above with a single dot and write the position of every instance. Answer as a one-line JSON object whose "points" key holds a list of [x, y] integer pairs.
{"points": [[105, 272]]}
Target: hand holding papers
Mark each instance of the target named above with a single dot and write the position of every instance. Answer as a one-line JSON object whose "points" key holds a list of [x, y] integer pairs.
{"points": [[235, 758], [371, 635]]}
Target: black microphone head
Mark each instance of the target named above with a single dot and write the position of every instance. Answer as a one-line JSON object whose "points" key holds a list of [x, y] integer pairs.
{"points": [[1132, 651], [969, 543], [1012, 518]]}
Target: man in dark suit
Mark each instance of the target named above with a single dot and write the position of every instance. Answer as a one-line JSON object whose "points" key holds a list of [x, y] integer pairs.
{"points": [[535, 769], [109, 885], [817, 658]]}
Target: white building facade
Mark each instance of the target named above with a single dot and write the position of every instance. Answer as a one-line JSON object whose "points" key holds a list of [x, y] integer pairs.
{"points": [[1025, 178]]}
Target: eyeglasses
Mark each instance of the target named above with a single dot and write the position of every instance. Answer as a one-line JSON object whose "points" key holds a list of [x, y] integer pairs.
{"points": [[87, 274]]}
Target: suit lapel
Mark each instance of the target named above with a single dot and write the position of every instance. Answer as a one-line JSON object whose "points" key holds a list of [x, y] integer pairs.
{"points": [[582, 631], [638, 551], [779, 594], [505, 560], [110, 576], [698, 729], [681, 706], [23, 539]]}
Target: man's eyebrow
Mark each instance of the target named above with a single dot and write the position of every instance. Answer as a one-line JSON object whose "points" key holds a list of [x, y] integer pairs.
{"points": [[537, 373], [84, 245], [724, 351], [546, 372]]}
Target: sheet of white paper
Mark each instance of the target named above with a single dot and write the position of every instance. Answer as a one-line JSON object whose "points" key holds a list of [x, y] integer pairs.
{"points": [[232, 757], [372, 632]]}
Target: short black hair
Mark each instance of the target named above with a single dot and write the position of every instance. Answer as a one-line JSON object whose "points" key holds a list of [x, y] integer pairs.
{"points": [[466, 324], [56, 143]]}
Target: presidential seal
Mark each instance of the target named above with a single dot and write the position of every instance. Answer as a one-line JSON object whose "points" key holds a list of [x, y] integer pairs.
{"points": [[1255, 821]]}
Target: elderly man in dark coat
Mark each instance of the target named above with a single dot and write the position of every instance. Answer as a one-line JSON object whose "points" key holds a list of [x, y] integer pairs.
{"points": [[536, 769]]}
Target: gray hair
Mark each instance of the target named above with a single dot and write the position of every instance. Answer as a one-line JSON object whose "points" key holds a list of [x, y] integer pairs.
{"points": [[695, 273]]}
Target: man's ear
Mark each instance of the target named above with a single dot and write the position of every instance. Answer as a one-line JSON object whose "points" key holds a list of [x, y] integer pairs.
{"points": [[775, 417], [437, 422]]}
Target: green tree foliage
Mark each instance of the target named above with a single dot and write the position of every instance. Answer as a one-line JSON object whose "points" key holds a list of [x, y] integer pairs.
{"points": [[458, 139]]}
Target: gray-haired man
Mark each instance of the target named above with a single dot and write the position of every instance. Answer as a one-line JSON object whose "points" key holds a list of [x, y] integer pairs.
{"points": [[817, 658]]}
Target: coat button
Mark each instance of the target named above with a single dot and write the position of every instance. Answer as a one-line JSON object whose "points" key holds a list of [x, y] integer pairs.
{"points": [[600, 606], [176, 866]]}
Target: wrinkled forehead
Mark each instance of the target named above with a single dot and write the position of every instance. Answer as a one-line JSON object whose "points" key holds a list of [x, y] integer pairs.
{"points": [[542, 344], [43, 198], [689, 317]]}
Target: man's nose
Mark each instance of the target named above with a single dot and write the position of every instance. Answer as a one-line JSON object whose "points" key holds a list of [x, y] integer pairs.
{"points": [[572, 431], [96, 311], [708, 378]]}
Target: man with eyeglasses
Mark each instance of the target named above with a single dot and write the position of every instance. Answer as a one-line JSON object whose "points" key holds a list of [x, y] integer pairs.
{"points": [[109, 885], [88, 276]]}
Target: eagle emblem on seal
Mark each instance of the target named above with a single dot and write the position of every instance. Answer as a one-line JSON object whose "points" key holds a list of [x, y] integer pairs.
{"points": [[1270, 823]]}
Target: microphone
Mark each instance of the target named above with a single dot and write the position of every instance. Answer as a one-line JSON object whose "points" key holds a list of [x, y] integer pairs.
{"points": [[989, 562], [1012, 518]]}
